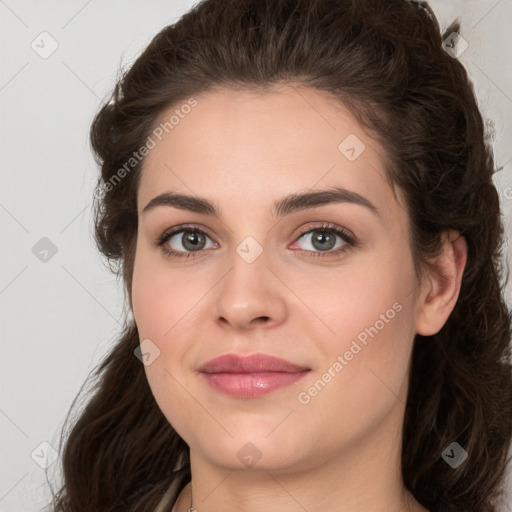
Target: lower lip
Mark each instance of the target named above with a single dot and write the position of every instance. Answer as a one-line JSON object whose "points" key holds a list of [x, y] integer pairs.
{"points": [[251, 385]]}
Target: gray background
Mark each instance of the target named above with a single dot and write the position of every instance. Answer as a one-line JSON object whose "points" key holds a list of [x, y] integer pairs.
{"points": [[61, 316]]}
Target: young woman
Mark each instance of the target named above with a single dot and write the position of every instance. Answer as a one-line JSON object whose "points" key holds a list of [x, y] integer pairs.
{"points": [[299, 197]]}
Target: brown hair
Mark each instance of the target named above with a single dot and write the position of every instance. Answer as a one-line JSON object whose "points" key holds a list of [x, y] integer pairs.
{"points": [[384, 60]]}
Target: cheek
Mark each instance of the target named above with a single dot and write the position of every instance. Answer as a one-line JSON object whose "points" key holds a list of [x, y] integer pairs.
{"points": [[160, 298], [368, 298], [162, 306], [369, 313]]}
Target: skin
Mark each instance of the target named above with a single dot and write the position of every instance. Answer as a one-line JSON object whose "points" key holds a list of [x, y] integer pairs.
{"points": [[243, 151]]}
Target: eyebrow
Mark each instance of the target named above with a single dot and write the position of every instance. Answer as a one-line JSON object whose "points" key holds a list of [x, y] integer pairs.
{"points": [[282, 207]]}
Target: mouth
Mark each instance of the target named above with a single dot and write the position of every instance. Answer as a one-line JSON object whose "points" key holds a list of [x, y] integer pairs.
{"points": [[250, 376]]}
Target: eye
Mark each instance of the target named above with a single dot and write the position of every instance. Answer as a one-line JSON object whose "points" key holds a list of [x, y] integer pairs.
{"points": [[186, 238], [322, 239]]}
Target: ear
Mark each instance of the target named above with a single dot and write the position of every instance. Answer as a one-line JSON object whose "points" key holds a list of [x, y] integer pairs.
{"points": [[441, 287]]}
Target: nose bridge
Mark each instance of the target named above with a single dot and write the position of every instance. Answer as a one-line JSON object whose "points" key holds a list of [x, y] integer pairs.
{"points": [[249, 273], [250, 250], [251, 238], [249, 290]]}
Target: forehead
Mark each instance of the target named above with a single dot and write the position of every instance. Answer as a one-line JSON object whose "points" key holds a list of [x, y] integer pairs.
{"points": [[260, 145]]}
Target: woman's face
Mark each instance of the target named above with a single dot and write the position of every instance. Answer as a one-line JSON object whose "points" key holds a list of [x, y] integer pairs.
{"points": [[341, 306]]}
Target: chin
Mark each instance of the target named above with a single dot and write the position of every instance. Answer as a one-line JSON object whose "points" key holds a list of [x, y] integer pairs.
{"points": [[253, 450]]}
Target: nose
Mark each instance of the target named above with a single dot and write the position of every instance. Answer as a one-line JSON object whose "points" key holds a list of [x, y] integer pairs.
{"points": [[250, 296]]}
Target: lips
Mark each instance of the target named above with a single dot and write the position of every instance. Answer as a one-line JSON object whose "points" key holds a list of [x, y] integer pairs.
{"points": [[233, 363], [250, 376]]}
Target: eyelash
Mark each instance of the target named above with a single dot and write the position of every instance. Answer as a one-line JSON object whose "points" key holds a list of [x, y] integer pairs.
{"points": [[344, 234]]}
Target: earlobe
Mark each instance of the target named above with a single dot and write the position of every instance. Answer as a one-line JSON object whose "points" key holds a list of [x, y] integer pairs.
{"points": [[442, 287]]}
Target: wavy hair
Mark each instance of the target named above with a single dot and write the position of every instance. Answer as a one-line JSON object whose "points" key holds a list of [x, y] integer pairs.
{"points": [[386, 61]]}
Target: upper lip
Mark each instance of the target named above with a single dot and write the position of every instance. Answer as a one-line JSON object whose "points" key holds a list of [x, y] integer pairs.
{"points": [[235, 363]]}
